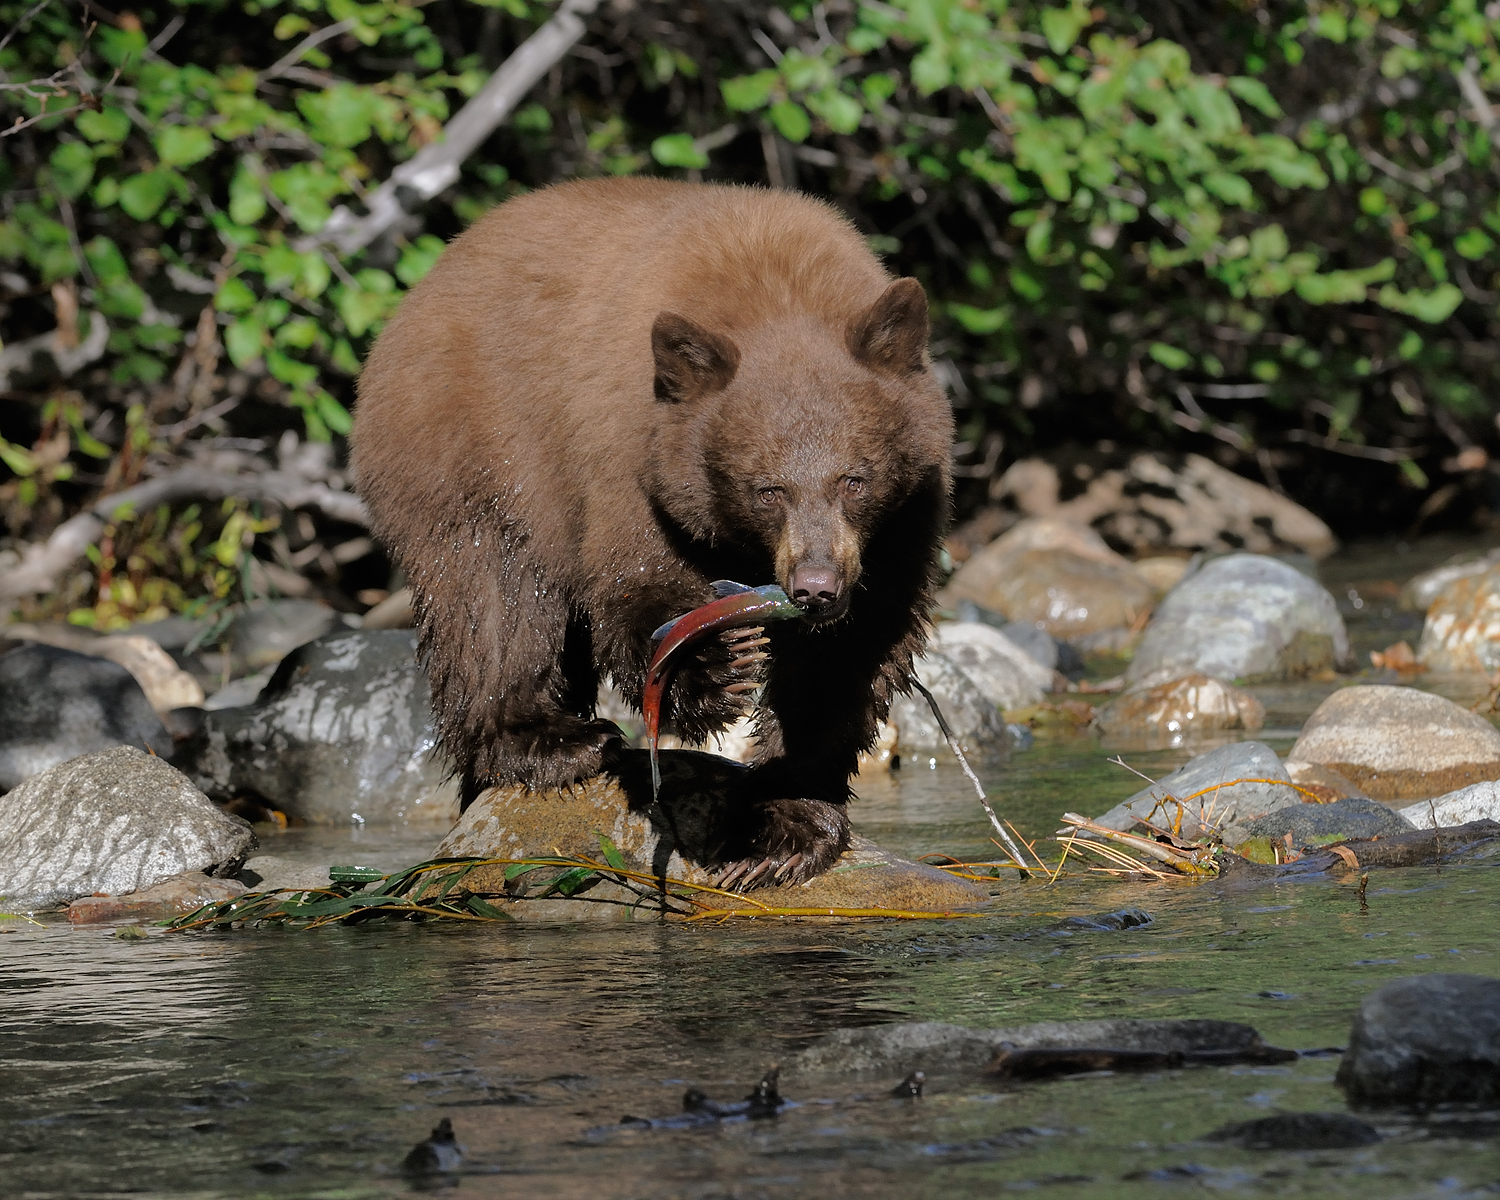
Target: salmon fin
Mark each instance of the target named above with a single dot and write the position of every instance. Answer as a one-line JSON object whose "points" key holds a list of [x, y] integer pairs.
{"points": [[728, 587]]}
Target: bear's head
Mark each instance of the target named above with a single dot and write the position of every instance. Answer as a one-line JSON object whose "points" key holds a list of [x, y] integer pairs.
{"points": [[793, 441]]}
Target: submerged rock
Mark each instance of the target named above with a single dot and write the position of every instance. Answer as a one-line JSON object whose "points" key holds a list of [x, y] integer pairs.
{"points": [[1242, 617], [1424, 1040], [1477, 802], [1462, 631], [932, 1046], [115, 821], [975, 720], [342, 732], [173, 897], [1419, 593], [1181, 708], [269, 873], [56, 704], [1218, 807], [1299, 1131], [672, 836], [1397, 743], [1319, 824], [1005, 674]]}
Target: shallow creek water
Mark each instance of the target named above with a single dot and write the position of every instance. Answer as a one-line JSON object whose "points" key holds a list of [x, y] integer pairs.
{"points": [[305, 1064]]}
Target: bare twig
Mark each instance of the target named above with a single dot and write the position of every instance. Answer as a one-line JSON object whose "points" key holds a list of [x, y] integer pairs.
{"points": [[1324, 442], [436, 165], [1423, 181], [23, 22], [293, 56]]}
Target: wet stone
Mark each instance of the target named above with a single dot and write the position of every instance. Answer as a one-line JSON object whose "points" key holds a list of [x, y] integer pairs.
{"points": [[1319, 824], [1425, 1040], [115, 821], [56, 704], [1477, 802], [1005, 674], [269, 873], [1299, 1131], [1242, 617], [266, 631], [1223, 803], [1397, 743], [342, 732], [975, 720], [668, 837], [1181, 708], [933, 1046], [1462, 630], [1323, 781], [173, 897]]}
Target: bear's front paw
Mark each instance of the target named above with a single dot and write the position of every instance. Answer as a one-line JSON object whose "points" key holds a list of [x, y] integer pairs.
{"points": [[791, 841]]}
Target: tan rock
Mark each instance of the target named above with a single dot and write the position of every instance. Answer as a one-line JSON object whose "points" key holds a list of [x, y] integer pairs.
{"points": [[394, 612], [1163, 573], [171, 898], [1193, 704], [1462, 632], [1069, 595], [667, 837], [167, 686], [1398, 743]]}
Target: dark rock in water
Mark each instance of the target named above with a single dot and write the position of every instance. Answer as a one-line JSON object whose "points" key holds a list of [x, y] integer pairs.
{"points": [[1299, 1131], [911, 1087], [342, 732], [440, 1152], [1035, 640], [57, 704], [1046, 1062], [1313, 824], [1424, 1040], [115, 821], [1110, 922], [932, 1046]]}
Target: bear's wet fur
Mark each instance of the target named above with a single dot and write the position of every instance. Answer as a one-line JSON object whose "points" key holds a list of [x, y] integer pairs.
{"points": [[608, 394]]}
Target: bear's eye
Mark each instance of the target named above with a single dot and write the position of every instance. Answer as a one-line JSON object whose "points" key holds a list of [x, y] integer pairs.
{"points": [[769, 496], [854, 485]]}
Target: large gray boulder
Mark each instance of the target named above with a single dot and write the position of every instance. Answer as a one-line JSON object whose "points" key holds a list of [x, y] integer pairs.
{"points": [[56, 704], [1477, 802], [1397, 743], [975, 720], [1424, 1040], [1219, 807], [114, 821], [343, 732], [1003, 671], [1242, 617]]}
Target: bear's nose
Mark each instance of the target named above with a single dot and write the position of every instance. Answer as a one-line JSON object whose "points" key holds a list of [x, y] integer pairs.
{"points": [[815, 587]]}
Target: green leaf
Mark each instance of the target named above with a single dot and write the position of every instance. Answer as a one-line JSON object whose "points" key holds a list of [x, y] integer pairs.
{"points": [[289, 370], [247, 196], [611, 852], [841, 112], [791, 120], [141, 196], [334, 414], [1474, 244], [342, 115], [183, 145], [234, 295], [570, 883], [1372, 201], [106, 125], [1170, 356], [1432, 307], [72, 168], [245, 341], [109, 265], [746, 93], [980, 320], [677, 150], [1061, 27], [418, 258], [1254, 93], [482, 907], [1414, 473], [344, 874], [1027, 286], [534, 118]]}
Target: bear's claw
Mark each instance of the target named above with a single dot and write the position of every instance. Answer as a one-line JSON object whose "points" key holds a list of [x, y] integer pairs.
{"points": [[799, 839]]}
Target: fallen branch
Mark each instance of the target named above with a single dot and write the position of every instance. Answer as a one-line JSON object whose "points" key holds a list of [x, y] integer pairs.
{"points": [[436, 166], [42, 562]]}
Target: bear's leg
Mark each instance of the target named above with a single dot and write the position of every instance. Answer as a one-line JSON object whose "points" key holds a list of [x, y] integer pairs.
{"points": [[513, 687]]}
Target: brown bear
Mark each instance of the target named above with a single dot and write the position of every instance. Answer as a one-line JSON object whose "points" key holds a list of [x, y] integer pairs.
{"points": [[608, 394]]}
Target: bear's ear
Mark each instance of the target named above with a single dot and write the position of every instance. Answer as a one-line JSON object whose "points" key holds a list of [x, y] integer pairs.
{"points": [[690, 361], [892, 335]]}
